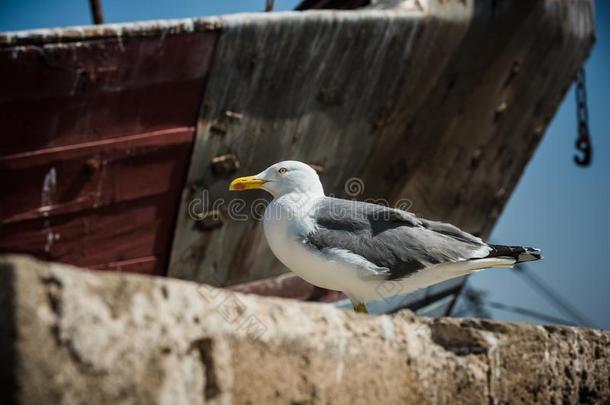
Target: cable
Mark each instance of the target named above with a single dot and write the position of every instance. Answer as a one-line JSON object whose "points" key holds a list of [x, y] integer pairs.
{"points": [[555, 298], [527, 312], [475, 303]]}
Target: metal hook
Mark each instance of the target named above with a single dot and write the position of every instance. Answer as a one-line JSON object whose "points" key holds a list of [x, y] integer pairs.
{"points": [[584, 146]]}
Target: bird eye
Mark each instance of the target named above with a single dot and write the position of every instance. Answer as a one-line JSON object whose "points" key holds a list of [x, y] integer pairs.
{"points": [[282, 170]]}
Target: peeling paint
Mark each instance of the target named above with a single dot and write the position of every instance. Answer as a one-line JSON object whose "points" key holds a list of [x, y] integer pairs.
{"points": [[51, 237], [48, 188], [49, 185], [108, 31], [119, 38]]}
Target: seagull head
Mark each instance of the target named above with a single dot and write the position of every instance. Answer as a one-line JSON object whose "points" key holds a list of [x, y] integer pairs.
{"points": [[289, 176]]}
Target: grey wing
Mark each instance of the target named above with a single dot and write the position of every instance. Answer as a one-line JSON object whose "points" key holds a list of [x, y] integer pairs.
{"points": [[388, 238], [452, 231]]}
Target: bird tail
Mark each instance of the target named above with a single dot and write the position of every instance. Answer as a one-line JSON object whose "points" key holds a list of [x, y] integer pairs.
{"points": [[519, 253]]}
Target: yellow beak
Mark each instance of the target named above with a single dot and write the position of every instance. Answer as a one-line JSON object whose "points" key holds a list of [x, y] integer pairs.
{"points": [[247, 183]]}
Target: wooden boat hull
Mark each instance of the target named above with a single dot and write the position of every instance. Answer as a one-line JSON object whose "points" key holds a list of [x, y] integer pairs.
{"points": [[115, 133]]}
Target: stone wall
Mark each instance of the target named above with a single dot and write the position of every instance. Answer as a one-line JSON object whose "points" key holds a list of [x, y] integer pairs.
{"points": [[71, 336]]}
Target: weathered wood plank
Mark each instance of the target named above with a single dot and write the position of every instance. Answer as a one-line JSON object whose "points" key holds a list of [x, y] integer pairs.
{"points": [[89, 175], [99, 125], [143, 29], [351, 63], [57, 94], [97, 238], [503, 96], [96, 204], [393, 97]]}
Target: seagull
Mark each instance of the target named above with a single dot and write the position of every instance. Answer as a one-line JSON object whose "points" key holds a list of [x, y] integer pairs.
{"points": [[367, 251]]}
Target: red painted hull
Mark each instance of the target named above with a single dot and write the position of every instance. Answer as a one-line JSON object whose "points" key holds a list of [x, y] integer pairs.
{"points": [[97, 138]]}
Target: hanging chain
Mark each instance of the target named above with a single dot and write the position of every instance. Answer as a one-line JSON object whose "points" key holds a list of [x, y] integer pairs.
{"points": [[583, 142]]}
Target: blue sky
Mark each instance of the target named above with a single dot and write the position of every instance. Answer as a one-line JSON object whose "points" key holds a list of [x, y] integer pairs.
{"points": [[557, 206], [564, 209]]}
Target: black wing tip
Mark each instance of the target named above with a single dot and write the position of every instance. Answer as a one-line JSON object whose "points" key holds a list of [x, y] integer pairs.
{"points": [[530, 255], [519, 253]]}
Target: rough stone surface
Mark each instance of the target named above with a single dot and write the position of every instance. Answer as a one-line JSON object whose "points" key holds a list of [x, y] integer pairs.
{"points": [[69, 336]]}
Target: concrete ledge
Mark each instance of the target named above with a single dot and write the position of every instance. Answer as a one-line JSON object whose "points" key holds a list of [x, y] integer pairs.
{"points": [[69, 336]]}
